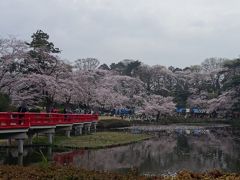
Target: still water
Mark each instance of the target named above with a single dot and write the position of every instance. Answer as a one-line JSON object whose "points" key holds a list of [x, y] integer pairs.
{"points": [[164, 154]]}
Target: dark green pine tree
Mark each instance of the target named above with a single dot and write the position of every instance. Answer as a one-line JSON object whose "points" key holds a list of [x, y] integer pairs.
{"points": [[40, 41], [41, 59], [181, 94]]}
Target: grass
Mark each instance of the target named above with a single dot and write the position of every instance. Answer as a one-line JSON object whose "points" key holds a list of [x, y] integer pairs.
{"points": [[109, 117], [96, 140], [3, 142], [175, 120]]}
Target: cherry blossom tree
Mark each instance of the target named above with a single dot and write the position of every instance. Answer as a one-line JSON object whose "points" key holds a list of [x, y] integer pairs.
{"points": [[212, 64], [87, 64], [33, 72], [12, 52], [145, 75], [156, 105], [40, 71], [222, 103], [118, 91], [86, 84], [163, 80], [197, 101], [157, 79], [35, 89]]}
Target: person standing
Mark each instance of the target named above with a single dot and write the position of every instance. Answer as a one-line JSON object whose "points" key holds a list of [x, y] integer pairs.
{"points": [[22, 109]]}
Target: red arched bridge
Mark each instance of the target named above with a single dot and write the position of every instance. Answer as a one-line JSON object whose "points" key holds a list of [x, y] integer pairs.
{"points": [[20, 126]]}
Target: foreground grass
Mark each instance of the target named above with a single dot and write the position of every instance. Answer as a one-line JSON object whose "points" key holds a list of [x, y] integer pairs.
{"points": [[59, 172], [96, 140]]}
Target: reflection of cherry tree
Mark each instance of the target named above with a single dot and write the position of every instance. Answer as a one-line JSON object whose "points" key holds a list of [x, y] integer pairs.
{"points": [[125, 156], [161, 155]]}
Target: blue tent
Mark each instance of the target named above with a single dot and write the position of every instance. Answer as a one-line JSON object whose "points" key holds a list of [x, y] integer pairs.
{"points": [[196, 110], [181, 110]]}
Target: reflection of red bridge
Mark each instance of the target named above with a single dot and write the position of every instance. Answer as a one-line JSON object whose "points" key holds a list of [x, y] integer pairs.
{"points": [[67, 158], [19, 126]]}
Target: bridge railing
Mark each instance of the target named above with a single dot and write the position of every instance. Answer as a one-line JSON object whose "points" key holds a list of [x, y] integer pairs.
{"points": [[25, 120], [11, 120]]}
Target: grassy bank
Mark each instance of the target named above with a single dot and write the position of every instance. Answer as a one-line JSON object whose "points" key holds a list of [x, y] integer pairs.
{"points": [[96, 140], [182, 120], [108, 122], [60, 173], [112, 123], [109, 118], [234, 123]]}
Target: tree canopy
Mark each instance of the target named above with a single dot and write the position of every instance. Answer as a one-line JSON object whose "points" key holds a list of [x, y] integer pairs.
{"points": [[33, 72]]}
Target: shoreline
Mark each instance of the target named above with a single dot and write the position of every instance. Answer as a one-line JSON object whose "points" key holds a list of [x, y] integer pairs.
{"points": [[97, 140]]}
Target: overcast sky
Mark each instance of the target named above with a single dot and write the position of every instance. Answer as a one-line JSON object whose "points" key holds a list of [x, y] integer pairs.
{"points": [[167, 32]]}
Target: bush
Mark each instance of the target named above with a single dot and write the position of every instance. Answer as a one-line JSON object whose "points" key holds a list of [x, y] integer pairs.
{"points": [[234, 122], [113, 123], [5, 102], [37, 110]]}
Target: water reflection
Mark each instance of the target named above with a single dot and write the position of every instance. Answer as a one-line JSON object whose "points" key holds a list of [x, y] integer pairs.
{"points": [[166, 154], [160, 155], [30, 155]]}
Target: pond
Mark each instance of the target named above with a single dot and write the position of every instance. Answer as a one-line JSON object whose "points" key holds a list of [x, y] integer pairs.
{"points": [[163, 154]]}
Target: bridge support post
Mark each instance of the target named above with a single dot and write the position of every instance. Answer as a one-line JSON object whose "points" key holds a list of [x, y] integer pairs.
{"points": [[20, 141], [68, 133], [30, 139], [94, 126], [77, 129], [20, 146], [9, 142], [80, 129], [20, 159], [49, 153], [87, 128], [50, 138], [49, 132]]}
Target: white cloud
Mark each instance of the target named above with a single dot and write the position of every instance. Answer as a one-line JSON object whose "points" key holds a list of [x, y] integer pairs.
{"points": [[173, 32]]}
